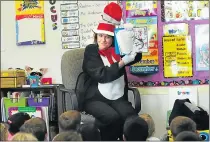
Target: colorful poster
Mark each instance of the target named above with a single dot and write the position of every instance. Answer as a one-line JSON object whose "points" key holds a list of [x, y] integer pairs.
{"points": [[202, 47], [177, 56], [32, 111], [175, 29], [30, 22], [141, 8], [185, 10], [149, 63]]}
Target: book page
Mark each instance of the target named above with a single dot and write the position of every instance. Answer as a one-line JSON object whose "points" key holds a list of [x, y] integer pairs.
{"points": [[29, 29]]}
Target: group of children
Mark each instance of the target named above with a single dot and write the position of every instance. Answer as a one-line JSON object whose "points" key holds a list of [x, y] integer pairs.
{"points": [[20, 127]]}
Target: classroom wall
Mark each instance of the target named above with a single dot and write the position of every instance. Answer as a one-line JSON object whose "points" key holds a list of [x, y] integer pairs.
{"points": [[154, 99], [50, 54]]}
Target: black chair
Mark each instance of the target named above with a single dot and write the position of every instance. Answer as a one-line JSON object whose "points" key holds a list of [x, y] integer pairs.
{"points": [[68, 96]]}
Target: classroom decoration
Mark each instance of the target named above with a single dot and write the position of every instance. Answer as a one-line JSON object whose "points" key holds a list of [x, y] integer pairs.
{"points": [[149, 63], [185, 10], [70, 21], [78, 19], [171, 28], [32, 111], [177, 52], [30, 22], [54, 15], [202, 47], [141, 8], [182, 93], [175, 29], [12, 102]]}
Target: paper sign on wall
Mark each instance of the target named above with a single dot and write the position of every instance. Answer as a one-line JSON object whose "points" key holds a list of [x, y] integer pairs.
{"points": [[141, 8], [202, 47], [175, 29], [177, 54], [185, 10], [182, 93], [29, 22]]}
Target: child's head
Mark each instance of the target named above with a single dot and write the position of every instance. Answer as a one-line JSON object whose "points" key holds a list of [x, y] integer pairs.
{"points": [[36, 126], [24, 137], [16, 120], [90, 132], [188, 136], [150, 122], [69, 120], [3, 132], [135, 129], [180, 124], [68, 136]]}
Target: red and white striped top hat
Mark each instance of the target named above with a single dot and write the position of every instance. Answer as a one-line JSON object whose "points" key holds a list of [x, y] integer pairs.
{"points": [[112, 13], [105, 28]]}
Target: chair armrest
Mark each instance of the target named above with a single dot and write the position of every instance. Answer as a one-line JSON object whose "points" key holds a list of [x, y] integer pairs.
{"points": [[67, 99], [137, 99]]}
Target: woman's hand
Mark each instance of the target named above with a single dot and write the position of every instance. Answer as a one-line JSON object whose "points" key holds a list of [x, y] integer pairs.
{"points": [[128, 58]]}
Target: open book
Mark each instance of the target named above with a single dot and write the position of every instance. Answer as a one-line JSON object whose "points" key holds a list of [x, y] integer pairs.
{"points": [[135, 39]]}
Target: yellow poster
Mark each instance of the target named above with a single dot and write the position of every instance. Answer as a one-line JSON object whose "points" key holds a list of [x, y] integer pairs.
{"points": [[177, 53], [30, 19], [28, 7]]}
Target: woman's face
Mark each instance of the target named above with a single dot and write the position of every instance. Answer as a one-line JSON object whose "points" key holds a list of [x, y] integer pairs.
{"points": [[104, 41]]}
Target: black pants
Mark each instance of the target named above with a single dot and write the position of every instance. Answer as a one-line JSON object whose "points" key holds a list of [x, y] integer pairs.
{"points": [[111, 115]]}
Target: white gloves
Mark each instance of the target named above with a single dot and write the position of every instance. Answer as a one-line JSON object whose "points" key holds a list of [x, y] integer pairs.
{"points": [[129, 58]]}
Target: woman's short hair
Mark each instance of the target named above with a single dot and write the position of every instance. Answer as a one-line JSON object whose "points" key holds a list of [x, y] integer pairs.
{"points": [[24, 137]]}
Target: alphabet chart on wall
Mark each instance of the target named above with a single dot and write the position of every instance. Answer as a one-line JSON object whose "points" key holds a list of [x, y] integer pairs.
{"points": [[78, 19]]}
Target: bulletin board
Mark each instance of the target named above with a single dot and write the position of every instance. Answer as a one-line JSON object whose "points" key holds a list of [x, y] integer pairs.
{"points": [[197, 75]]}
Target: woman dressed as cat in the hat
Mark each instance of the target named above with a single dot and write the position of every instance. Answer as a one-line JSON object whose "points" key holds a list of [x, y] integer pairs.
{"points": [[107, 88]]}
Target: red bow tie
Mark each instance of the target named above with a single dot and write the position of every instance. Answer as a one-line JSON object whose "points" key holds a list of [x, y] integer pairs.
{"points": [[109, 53]]}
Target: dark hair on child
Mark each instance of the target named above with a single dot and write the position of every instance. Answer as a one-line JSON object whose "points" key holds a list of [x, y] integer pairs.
{"points": [[16, 120], [89, 132], [188, 136], [135, 129]]}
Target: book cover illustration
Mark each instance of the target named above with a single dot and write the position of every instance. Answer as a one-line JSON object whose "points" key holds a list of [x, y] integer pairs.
{"points": [[135, 39], [149, 63]]}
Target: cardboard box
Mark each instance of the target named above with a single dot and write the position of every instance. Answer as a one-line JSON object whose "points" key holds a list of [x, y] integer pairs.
{"points": [[12, 78]]}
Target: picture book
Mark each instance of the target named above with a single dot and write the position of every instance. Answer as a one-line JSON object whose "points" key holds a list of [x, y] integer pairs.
{"points": [[135, 39]]}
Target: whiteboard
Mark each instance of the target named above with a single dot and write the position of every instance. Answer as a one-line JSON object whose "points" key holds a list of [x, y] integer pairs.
{"points": [[78, 19]]}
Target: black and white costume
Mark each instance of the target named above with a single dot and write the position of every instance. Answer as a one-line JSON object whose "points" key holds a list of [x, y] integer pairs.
{"points": [[105, 96]]}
